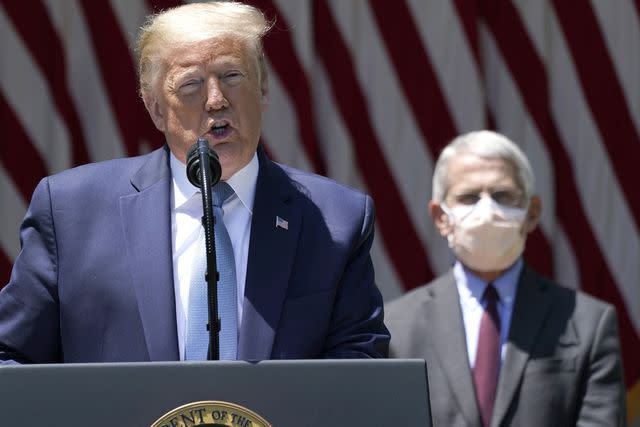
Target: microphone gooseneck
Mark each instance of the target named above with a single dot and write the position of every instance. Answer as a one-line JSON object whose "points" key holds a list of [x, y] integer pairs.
{"points": [[193, 163]]}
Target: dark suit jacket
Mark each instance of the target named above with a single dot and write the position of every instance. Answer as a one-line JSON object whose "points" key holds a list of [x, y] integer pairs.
{"points": [[562, 363], [94, 279]]}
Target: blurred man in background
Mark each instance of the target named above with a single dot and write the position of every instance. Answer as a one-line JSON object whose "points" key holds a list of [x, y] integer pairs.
{"points": [[503, 345]]}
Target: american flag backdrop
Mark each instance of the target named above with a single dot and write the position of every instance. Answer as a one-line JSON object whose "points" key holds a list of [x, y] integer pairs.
{"points": [[368, 93]]}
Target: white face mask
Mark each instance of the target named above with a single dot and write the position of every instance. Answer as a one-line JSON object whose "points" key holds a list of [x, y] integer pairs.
{"points": [[486, 236]]}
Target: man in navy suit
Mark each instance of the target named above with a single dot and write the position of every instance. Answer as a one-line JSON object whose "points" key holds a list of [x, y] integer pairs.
{"points": [[105, 269]]}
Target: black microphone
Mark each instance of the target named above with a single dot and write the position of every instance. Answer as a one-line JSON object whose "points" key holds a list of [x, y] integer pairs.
{"points": [[193, 163], [204, 171]]}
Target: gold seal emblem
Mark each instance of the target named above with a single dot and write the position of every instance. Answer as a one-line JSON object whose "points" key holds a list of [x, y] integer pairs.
{"points": [[211, 413]]}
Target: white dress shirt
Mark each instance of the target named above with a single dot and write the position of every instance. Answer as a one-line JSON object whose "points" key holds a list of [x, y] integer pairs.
{"points": [[186, 226], [470, 289]]}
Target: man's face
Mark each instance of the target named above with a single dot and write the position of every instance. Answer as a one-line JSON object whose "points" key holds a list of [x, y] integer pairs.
{"points": [[210, 89], [470, 177]]}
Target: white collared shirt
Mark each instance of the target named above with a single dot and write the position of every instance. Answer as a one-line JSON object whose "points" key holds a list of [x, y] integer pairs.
{"points": [[470, 289], [186, 226]]}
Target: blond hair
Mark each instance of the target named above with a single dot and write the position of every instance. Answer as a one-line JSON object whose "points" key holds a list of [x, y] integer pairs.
{"points": [[197, 22]]}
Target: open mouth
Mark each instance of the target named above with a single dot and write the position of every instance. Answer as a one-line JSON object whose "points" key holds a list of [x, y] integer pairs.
{"points": [[220, 129]]}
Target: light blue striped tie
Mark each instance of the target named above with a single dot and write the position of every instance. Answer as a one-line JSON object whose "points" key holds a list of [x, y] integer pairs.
{"points": [[197, 338]]}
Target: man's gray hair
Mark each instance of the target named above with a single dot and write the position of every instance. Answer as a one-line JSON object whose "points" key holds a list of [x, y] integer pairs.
{"points": [[488, 145], [193, 23]]}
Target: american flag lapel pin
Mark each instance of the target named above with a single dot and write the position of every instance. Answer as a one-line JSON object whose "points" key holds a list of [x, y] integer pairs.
{"points": [[282, 223]]}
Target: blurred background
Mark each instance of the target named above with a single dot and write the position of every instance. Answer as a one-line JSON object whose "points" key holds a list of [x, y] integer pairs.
{"points": [[368, 93]]}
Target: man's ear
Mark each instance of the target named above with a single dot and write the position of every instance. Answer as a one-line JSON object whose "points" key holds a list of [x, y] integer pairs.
{"points": [[440, 218], [154, 109], [533, 215]]}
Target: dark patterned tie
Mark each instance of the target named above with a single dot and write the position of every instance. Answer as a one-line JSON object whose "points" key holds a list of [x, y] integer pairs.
{"points": [[487, 366]]}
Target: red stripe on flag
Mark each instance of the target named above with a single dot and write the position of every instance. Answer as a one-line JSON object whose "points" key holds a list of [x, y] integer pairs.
{"points": [[604, 94], [399, 235], [119, 77], [19, 157], [5, 269], [284, 59], [158, 5], [491, 121], [538, 253], [469, 13], [415, 73], [46, 49], [529, 74]]}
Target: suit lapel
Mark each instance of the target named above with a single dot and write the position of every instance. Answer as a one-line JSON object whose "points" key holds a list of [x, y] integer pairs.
{"points": [[146, 221], [271, 256], [444, 320], [531, 306]]}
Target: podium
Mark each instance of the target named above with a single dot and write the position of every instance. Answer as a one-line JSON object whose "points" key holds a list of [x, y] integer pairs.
{"points": [[305, 393]]}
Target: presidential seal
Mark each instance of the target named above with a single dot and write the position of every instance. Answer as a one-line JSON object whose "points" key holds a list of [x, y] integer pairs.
{"points": [[211, 413]]}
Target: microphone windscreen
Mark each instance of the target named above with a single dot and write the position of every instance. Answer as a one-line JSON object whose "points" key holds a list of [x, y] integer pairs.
{"points": [[193, 163]]}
